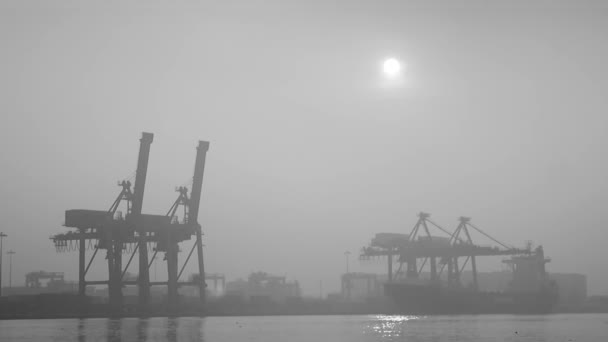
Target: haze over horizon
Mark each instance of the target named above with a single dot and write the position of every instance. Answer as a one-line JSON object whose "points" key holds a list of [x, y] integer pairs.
{"points": [[501, 117]]}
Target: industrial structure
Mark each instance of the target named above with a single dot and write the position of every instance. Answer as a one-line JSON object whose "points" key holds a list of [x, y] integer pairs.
{"points": [[452, 252], [42, 282], [219, 282], [572, 287], [33, 279], [138, 234], [262, 287], [360, 286], [530, 291]]}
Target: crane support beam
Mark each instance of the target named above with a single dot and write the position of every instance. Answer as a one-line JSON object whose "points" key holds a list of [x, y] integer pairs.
{"points": [[194, 204], [90, 262], [474, 269], [122, 276], [152, 259], [171, 256], [81, 267], [158, 283], [137, 203], [434, 276], [187, 259], [445, 252]]}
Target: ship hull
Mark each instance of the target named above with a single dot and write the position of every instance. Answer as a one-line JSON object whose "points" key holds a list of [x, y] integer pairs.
{"points": [[428, 299]]}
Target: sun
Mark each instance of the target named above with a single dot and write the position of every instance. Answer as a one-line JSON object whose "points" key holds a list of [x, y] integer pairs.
{"points": [[391, 67]]}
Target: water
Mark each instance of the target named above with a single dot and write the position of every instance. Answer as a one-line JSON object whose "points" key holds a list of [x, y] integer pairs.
{"points": [[551, 328]]}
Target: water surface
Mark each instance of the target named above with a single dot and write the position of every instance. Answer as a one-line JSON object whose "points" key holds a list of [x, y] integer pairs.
{"points": [[550, 328]]}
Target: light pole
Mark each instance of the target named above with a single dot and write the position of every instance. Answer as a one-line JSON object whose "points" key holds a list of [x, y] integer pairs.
{"points": [[347, 254], [10, 268], [2, 236]]}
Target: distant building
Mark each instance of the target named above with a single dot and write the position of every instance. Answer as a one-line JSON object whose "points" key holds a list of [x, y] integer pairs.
{"points": [[216, 285], [596, 304], [361, 286], [572, 288], [42, 282], [263, 287]]}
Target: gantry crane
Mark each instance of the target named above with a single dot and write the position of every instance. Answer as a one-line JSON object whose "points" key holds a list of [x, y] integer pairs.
{"points": [[442, 252], [111, 231], [134, 232]]}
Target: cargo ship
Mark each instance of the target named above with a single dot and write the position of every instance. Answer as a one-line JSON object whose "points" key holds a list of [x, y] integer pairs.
{"points": [[530, 292]]}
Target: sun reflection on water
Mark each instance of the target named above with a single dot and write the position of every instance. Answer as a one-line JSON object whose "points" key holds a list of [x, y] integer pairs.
{"points": [[390, 326]]}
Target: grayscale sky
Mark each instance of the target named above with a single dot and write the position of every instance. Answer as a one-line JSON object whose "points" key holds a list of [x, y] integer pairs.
{"points": [[501, 116]]}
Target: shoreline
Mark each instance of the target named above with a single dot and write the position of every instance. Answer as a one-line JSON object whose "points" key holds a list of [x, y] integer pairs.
{"points": [[267, 314]]}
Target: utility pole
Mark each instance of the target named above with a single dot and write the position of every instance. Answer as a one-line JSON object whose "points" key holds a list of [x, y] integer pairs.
{"points": [[347, 277], [347, 254], [2, 236], [10, 268]]}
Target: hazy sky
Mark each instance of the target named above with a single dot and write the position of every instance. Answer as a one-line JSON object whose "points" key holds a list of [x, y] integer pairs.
{"points": [[501, 117]]}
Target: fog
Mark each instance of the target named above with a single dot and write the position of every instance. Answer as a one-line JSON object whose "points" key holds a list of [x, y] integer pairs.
{"points": [[501, 117]]}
